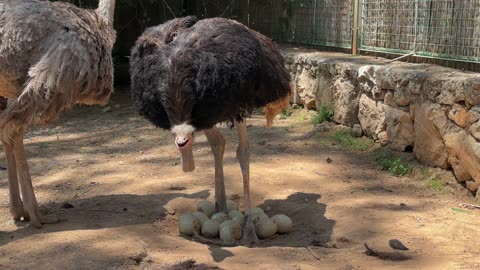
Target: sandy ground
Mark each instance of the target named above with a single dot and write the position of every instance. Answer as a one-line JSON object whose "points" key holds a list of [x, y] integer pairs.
{"points": [[120, 174]]}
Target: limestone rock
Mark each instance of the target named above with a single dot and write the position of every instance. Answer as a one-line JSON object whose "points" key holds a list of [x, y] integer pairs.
{"points": [[306, 87], [472, 186], [459, 115], [467, 150], [345, 103], [368, 82], [401, 98], [324, 89], [473, 115], [429, 147], [357, 130], [372, 116], [472, 89], [459, 171], [475, 130], [399, 129], [383, 138], [388, 99]]}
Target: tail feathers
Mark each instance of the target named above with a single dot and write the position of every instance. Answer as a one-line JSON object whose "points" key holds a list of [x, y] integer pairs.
{"points": [[274, 108]]}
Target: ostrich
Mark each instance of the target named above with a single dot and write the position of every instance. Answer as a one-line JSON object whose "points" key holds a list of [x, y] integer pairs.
{"points": [[188, 75], [52, 55]]}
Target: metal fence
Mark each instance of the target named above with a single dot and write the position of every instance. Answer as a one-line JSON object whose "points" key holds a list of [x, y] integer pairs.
{"points": [[442, 29], [315, 22], [438, 29]]}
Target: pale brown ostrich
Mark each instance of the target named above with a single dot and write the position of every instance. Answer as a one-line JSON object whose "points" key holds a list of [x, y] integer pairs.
{"points": [[52, 56]]}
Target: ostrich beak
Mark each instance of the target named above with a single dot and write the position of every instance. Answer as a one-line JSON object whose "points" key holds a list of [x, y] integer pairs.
{"points": [[184, 145]]}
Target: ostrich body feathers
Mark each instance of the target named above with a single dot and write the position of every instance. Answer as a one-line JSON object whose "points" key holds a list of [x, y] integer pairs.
{"points": [[204, 72], [52, 55]]}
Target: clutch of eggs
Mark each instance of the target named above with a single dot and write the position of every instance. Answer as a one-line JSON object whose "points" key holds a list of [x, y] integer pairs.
{"points": [[228, 226]]}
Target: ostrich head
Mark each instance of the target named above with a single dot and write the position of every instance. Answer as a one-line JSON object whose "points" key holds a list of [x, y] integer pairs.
{"points": [[184, 136]]}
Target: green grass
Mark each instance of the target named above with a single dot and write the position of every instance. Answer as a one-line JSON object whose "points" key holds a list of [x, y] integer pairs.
{"points": [[394, 165], [43, 145], [347, 140], [459, 210], [435, 183], [286, 113], [302, 115], [324, 114]]}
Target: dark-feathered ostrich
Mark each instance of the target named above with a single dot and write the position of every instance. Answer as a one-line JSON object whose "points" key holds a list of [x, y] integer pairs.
{"points": [[52, 55], [188, 75]]}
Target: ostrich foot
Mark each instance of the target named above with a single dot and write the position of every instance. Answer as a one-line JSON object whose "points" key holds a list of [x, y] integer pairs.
{"points": [[249, 236], [18, 213], [38, 220]]}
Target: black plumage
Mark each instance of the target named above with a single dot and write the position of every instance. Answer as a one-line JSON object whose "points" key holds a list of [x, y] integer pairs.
{"points": [[202, 72]]}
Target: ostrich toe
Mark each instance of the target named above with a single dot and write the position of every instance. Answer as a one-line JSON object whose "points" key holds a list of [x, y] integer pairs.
{"points": [[249, 235]]}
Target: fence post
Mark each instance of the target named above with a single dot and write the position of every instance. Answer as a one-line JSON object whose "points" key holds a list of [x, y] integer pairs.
{"points": [[356, 15]]}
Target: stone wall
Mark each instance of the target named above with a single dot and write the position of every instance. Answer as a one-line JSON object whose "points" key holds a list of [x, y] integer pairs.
{"points": [[431, 109]]}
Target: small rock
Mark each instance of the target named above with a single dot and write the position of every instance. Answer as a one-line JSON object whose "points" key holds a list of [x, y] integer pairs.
{"points": [[401, 98], [473, 115], [383, 138], [329, 160], [396, 244], [459, 115], [388, 99], [472, 186], [107, 109], [475, 130], [403, 205], [357, 130]]}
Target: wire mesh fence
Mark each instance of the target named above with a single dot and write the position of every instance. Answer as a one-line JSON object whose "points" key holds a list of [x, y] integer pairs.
{"points": [[314, 22], [438, 29], [443, 29]]}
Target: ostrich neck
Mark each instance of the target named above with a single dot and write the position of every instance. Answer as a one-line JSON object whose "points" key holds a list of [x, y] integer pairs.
{"points": [[106, 9]]}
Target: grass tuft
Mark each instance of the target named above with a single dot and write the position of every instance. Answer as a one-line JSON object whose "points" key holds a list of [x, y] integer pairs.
{"points": [[435, 183], [324, 114], [394, 165], [346, 139]]}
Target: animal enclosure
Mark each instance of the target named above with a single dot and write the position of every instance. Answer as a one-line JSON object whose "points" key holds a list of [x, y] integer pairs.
{"points": [[445, 31], [347, 168]]}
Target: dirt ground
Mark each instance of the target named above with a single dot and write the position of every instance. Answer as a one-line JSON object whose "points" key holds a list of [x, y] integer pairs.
{"points": [[111, 176]]}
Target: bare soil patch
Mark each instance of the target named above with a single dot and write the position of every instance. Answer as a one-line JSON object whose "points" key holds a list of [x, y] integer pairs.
{"points": [[113, 178]]}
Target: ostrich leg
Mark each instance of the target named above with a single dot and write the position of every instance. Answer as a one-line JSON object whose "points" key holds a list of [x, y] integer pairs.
{"points": [[16, 206], [243, 156], [28, 195], [217, 143]]}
